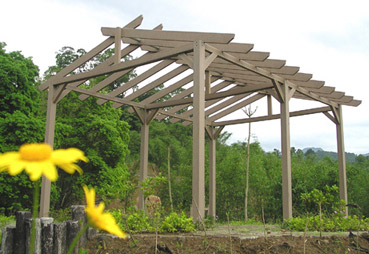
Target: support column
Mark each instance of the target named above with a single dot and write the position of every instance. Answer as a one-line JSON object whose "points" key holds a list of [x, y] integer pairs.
{"points": [[341, 157], [213, 134], [212, 177], [286, 153], [145, 117], [49, 139], [198, 129], [144, 160]]}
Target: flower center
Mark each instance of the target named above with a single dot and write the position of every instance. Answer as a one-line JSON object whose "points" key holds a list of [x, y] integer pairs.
{"points": [[35, 152]]}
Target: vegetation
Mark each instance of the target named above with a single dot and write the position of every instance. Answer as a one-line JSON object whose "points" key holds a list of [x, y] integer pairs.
{"points": [[110, 138]]}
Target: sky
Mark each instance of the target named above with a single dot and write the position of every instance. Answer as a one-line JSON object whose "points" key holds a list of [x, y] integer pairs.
{"points": [[329, 39]]}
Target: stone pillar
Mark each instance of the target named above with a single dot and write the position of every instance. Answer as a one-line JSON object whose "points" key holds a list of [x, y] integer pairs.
{"points": [[20, 235], [47, 235], [79, 214], [73, 228], [60, 238], [7, 241]]}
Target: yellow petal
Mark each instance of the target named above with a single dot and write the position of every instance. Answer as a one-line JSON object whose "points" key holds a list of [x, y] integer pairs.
{"points": [[49, 171], [63, 156], [34, 170], [70, 168], [16, 167], [6, 159], [90, 196]]}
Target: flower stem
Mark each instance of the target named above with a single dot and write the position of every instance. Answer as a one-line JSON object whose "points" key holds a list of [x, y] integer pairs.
{"points": [[75, 240], [36, 194]]}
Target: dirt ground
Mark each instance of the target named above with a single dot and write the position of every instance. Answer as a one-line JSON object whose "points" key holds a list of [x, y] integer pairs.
{"points": [[237, 239]]}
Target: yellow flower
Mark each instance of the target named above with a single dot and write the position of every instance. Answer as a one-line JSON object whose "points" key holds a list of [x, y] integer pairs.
{"points": [[38, 159], [104, 221]]}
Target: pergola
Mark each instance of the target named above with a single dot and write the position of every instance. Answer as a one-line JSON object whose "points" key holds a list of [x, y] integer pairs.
{"points": [[224, 77]]}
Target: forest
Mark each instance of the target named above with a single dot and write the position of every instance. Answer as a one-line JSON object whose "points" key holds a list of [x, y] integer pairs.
{"points": [[110, 139]]}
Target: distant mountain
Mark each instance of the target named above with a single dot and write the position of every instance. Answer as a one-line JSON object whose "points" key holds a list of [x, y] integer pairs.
{"points": [[315, 149], [320, 154], [366, 155]]}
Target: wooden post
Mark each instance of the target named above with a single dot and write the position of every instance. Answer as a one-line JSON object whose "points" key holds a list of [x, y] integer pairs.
{"points": [[49, 139], [286, 154], [341, 157], [198, 156], [213, 134], [144, 158], [212, 175]]}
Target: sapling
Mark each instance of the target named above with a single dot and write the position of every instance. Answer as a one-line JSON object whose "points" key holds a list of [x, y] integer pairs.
{"points": [[249, 113], [229, 232]]}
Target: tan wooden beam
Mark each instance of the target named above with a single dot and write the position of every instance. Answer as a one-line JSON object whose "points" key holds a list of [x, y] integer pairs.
{"points": [[212, 96], [154, 84], [170, 35], [111, 60], [341, 158], [198, 129], [49, 139], [188, 93], [269, 104], [267, 74], [272, 117], [286, 154], [236, 107], [88, 56], [140, 78], [106, 97], [118, 45], [147, 59]]}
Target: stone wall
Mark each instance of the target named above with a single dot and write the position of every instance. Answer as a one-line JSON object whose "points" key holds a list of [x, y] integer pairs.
{"points": [[51, 238]]}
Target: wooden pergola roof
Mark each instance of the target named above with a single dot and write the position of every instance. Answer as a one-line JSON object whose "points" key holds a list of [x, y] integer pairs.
{"points": [[234, 72], [216, 78]]}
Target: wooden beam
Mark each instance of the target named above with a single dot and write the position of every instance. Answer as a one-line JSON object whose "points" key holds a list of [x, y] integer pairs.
{"points": [[171, 35], [154, 84], [106, 97], [236, 107], [88, 56], [146, 59], [212, 96], [272, 117], [140, 78], [249, 66], [198, 129], [188, 92]]}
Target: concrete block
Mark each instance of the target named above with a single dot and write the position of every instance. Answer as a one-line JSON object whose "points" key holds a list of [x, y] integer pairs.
{"points": [[60, 238], [47, 235], [20, 233], [7, 241], [28, 229]]}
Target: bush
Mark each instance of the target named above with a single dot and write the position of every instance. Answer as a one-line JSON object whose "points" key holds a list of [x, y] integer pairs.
{"points": [[337, 222], [175, 222], [136, 221]]}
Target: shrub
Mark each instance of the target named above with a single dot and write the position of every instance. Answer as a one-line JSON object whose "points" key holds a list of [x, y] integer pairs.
{"points": [[175, 222], [337, 222], [135, 221]]}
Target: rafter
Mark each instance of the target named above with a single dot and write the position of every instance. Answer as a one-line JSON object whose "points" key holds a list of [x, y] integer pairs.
{"points": [[272, 117]]}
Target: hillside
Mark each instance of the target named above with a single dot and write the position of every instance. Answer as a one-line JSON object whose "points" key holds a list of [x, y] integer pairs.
{"points": [[320, 154]]}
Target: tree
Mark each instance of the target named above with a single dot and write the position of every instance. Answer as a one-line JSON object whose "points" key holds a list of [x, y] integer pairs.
{"points": [[19, 122], [249, 113], [95, 129]]}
